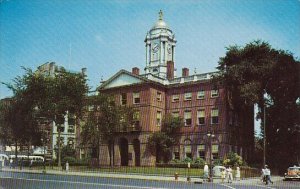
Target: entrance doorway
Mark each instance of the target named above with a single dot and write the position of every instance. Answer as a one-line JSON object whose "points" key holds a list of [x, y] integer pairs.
{"points": [[123, 145], [137, 152]]}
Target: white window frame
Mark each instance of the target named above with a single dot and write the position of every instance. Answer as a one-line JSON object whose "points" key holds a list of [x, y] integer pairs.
{"points": [[214, 93], [158, 96], [187, 117], [175, 98], [135, 96], [158, 118], [214, 113], [199, 115], [188, 96], [201, 94]]}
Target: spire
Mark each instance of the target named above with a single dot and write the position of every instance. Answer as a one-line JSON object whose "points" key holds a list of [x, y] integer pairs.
{"points": [[160, 15]]}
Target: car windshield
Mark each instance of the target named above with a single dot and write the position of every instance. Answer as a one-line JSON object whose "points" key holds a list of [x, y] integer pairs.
{"points": [[294, 168]]}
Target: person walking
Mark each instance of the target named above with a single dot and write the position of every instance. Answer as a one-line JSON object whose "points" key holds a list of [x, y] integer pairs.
{"points": [[238, 174], [223, 175], [10, 163], [205, 172], [67, 166], [229, 174], [31, 163], [267, 173]]}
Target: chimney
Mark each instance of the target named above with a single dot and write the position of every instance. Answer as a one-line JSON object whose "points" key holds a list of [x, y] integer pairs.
{"points": [[170, 70], [83, 71], [136, 71], [185, 72]]}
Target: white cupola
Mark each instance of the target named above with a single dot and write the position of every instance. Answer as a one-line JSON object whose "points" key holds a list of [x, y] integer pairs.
{"points": [[160, 48]]}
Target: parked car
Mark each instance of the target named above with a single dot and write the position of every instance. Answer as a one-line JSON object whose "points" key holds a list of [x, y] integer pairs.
{"points": [[217, 170], [293, 173]]}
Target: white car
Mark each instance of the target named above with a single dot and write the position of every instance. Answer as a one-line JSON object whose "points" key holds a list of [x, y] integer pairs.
{"points": [[292, 173], [217, 170]]}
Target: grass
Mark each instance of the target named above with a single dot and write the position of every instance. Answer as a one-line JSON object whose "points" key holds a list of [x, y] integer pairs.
{"points": [[163, 171]]}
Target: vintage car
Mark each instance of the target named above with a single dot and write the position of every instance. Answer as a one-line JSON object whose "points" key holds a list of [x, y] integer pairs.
{"points": [[293, 173]]}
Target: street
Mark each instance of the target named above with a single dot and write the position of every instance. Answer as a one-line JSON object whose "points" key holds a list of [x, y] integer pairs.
{"points": [[13, 180]]}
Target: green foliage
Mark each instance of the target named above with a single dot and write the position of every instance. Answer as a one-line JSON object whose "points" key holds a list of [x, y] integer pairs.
{"points": [[160, 143], [255, 70], [171, 124], [233, 159]]}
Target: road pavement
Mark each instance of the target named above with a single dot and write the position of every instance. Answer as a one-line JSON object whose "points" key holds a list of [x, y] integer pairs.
{"points": [[27, 179]]}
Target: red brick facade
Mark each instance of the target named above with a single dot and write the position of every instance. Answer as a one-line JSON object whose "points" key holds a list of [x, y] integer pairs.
{"points": [[184, 99]]}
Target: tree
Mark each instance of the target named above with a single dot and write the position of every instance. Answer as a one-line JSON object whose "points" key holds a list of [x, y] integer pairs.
{"points": [[104, 119], [254, 71], [233, 159], [48, 96], [160, 143]]}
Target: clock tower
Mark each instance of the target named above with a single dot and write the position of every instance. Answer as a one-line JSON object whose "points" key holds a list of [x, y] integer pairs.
{"points": [[160, 48]]}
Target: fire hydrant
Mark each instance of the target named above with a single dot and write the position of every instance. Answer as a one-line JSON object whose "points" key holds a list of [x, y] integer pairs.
{"points": [[176, 176]]}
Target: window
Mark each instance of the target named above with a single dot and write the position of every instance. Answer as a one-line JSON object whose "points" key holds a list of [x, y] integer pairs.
{"points": [[136, 120], [188, 149], [123, 99], [187, 118], [187, 96], [158, 118], [90, 108], [71, 129], [175, 114], [176, 153], [214, 116], [201, 94], [136, 98], [175, 98], [214, 93], [71, 142], [215, 151], [158, 96], [201, 117], [201, 151]]}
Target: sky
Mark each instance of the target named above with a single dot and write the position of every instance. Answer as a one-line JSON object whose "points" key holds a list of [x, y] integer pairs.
{"points": [[106, 36]]}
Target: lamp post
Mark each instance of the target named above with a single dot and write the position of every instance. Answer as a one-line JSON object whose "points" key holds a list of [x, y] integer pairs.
{"points": [[264, 144], [210, 136]]}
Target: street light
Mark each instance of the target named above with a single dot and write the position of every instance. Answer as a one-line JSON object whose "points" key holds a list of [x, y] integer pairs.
{"points": [[210, 136]]}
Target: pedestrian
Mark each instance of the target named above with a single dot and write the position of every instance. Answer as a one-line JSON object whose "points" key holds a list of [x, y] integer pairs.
{"points": [[267, 173], [229, 174], [238, 174], [10, 163], [31, 163], [223, 175], [263, 177], [67, 166], [205, 172]]}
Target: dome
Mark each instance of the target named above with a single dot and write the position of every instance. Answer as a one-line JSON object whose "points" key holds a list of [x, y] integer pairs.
{"points": [[160, 24]]}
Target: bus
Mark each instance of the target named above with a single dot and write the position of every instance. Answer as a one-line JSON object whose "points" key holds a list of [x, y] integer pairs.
{"points": [[24, 157]]}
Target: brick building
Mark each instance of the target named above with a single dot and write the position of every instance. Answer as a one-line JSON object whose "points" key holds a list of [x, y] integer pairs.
{"points": [[200, 102]]}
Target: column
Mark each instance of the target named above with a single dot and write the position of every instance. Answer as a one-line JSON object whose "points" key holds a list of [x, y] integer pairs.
{"points": [[161, 52], [147, 54], [173, 53]]}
